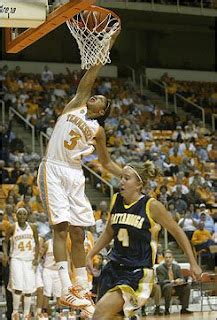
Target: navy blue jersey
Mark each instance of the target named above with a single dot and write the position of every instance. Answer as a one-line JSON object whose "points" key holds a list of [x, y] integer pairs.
{"points": [[135, 233]]}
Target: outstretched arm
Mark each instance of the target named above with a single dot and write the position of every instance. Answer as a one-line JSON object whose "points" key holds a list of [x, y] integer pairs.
{"points": [[161, 216], [102, 242], [103, 154], [86, 84]]}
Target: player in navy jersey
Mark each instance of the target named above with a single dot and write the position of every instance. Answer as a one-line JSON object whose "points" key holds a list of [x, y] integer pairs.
{"points": [[128, 278]]}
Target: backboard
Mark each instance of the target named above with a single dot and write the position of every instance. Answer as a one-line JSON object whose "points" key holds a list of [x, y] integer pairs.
{"points": [[28, 23]]}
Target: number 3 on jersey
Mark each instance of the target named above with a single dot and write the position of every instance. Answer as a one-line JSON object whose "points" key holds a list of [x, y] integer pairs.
{"points": [[73, 141], [123, 237]]}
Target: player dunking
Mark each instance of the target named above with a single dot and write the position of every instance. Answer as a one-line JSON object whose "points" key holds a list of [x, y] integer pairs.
{"points": [[127, 280], [24, 256], [61, 180]]}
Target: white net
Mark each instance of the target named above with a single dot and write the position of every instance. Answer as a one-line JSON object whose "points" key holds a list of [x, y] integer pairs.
{"points": [[93, 37]]}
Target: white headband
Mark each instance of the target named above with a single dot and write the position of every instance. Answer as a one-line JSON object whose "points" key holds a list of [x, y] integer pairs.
{"points": [[22, 208], [136, 173]]}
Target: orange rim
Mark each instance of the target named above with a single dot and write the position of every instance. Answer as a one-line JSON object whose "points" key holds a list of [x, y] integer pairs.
{"points": [[102, 10]]}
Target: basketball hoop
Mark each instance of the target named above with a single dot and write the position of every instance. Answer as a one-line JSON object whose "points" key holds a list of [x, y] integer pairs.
{"points": [[93, 29]]}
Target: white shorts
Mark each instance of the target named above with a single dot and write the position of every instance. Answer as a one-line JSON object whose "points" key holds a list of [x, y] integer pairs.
{"points": [[38, 277], [62, 193], [22, 276], [52, 283]]}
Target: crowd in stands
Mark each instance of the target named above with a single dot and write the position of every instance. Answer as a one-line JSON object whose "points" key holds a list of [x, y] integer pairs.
{"points": [[193, 3], [204, 94], [137, 130], [183, 149]]}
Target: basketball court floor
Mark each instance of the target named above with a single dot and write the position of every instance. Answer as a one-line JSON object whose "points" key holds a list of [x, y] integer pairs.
{"points": [[212, 315]]}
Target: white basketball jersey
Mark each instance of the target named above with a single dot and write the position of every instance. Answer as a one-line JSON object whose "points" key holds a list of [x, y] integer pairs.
{"points": [[49, 261], [23, 243], [72, 137]]}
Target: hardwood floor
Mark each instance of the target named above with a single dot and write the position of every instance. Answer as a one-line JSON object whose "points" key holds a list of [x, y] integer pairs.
{"points": [[210, 315]]}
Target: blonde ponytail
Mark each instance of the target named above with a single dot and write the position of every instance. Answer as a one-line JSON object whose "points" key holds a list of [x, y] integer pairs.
{"points": [[145, 171]]}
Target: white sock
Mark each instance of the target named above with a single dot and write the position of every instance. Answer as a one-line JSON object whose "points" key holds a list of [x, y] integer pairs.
{"points": [[81, 278], [38, 310], [27, 305], [16, 302], [64, 275]]}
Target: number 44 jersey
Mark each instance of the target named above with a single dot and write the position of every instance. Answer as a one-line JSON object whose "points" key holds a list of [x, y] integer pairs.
{"points": [[72, 137], [23, 243]]}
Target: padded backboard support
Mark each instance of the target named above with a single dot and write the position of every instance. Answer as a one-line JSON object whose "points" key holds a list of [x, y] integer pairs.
{"points": [[54, 20]]}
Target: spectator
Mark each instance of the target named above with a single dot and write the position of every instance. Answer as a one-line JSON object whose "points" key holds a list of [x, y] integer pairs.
{"points": [[16, 172], [4, 174], [5, 138], [178, 134], [193, 195], [186, 166], [170, 279], [32, 110], [47, 75], [102, 211], [9, 214], [179, 201], [202, 153], [202, 238], [181, 189], [158, 162], [163, 196], [188, 224], [29, 156], [25, 203], [23, 184], [197, 179], [208, 221], [17, 145], [42, 224], [193, 212], [50, 127], [176, 217]]}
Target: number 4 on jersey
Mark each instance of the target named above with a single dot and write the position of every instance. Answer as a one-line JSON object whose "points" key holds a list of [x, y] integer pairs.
{"points": [[123, 237]]}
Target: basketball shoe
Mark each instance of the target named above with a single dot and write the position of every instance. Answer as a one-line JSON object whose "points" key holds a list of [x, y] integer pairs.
{"points": [[73, 299], [42, 316], [87, 311]]}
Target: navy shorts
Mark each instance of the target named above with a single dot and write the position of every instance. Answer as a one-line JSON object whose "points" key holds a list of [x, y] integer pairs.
{"points": [[114, 275]]}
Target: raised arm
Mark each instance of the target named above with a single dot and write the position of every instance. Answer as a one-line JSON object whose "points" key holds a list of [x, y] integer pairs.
{"points": [[161, 216], [86, 83], [103, 154]]}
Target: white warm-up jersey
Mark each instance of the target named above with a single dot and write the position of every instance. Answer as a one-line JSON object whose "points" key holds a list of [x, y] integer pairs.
{"points": [[72, 137], [23, 243], [49, 261]]}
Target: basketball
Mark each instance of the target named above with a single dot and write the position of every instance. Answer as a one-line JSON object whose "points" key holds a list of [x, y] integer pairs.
{"points": [[96, 20]]}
